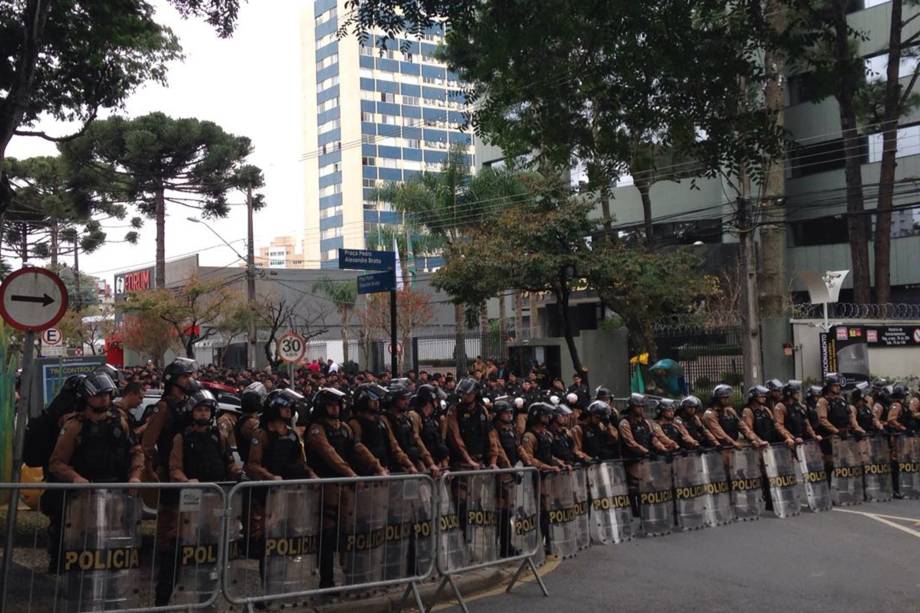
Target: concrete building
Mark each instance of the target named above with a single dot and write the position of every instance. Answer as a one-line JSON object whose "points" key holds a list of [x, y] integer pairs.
{"points": [[281, 252], [371, 117]]}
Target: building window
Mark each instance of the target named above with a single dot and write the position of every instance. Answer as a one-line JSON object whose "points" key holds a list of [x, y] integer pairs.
{"points": [[410, 100], [387, 97], [330, 212], [413, 143], [368, 161], [367, 117], [329, 169], [327, 61], [369, 183], [368, 139], [330, 147], [331, 233], [325, 40], [908, 144], [328, 105], [327, 83], [330, 125], [325, 16], [390, 120], [365, 50], [329, 190], [330, 254], [820, 231]]}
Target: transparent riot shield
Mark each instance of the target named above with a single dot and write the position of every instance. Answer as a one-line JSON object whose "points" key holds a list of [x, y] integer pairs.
{"points": [[200, 535], [908, 450], [452, 551], [292, 527], [876, 457], [100, 557], [656, 497], [611, 515], [719, 510], [481, 518], [847, 476], [524, 511], [420, 494], [813, 476], [582, 525], [236, 546], [745, 483], [364, 531], [689, 491], [559, 495], [396, 546], [784, 483]]}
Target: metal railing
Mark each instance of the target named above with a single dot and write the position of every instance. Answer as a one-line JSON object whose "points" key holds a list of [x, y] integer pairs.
{"points": [[849, 310]]}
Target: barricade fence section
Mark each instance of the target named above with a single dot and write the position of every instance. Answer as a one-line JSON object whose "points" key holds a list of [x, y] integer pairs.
{"points": [[172, 546]]}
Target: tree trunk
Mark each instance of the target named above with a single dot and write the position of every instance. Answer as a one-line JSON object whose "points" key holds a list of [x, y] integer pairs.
{"points": [[345, 317], [484, 331], [605, 212], [78, 302], [24, 243], [55, 246], [884, 204], [161, 239], [534, 317], [857, 225], [518, 315], [501, 324], [459, 340], [644, 188], [562, 300]]}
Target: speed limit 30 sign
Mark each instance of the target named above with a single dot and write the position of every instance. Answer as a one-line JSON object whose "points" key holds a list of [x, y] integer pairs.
{"points": [[291, 347]]}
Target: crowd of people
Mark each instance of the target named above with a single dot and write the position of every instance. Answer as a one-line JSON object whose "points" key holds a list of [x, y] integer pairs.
{"points": [[332, 424]]}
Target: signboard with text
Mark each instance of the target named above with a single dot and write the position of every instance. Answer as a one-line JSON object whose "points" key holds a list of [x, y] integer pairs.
{"points": [[377, 282], [134, 281], [365, 259]]}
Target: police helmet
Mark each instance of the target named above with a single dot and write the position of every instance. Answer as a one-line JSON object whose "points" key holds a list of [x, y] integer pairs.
{"points": [[202, 398], [177, 368], [426, 393], [367, 392], [466, 386], [774, 385], [571, 398], [757, 391], [72, 383], [253, 397], [602, 393], [112, 371], [691, 401], [898, 392], [96, 383], [665, 404], [502, 405], [813, 392], [600, 409], [281, 398], [879, 384], [328, 395], [856, 395], [399, 388], [792, 386], [538, 410], [636, 400], [833, 378], [722, 391]]}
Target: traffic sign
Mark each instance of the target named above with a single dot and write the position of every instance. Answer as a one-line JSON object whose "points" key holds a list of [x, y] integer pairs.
{"points": [[51, 337], [377, 282], [32, 299], [291, 347], [365, 259], [388, 348]]}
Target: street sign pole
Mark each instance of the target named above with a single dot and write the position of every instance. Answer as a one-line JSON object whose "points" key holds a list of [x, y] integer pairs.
{"points": [[394, 365]]}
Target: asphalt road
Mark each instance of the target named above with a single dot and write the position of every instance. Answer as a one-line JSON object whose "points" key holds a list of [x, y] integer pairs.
{"points": [[836, 561]]}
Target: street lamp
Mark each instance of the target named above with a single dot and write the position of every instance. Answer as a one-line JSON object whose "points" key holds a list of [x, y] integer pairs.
{"points": [[250, 284]]}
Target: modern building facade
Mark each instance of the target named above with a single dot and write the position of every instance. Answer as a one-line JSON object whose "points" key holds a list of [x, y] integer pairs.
{"points": [[371, 117], [282, 252], [816, 237]]}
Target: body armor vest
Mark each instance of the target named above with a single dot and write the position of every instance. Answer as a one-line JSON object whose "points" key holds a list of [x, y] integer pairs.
{"points": [[341, 440], [282, 455], [170, 429], [904, 416], [508, 439], [795, 420], [431, 437], [838, 413], [694, 429], [243, 443], [811, 412], [103, 454], [729, 423], [203, 456], [764, 426], [544, 448], [642, 433], [563, 446], [374, 437], [474, 429], [671, 431], [864, 418], [599, 443], [404, 432]]}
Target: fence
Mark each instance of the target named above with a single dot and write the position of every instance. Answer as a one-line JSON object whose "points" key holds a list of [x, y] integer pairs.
{"points": [[183, 546], [848, 310]]}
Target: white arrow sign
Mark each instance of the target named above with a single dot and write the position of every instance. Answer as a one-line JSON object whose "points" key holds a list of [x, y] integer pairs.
{"points": [[32, 299]]}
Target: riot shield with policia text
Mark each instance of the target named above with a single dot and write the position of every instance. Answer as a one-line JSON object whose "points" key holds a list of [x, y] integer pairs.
{"points": [[610, 514], [746, 483], [292, 538], [783, 481], [847, 475], [876, 458], [690, 492], [813, 477], [908, 464], [561, 512], [198, 546], [656, 497], [719, 510], [582, 521]]}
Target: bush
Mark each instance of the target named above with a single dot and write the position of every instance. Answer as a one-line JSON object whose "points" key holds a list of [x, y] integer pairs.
{"points": [[732, 378]]}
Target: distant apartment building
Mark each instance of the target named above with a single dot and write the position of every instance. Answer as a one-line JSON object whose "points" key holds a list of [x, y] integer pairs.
{"points": [[282, 252]]}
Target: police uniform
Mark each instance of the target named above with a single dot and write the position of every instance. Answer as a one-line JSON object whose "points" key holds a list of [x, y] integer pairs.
{"points": [[159, 434], [432, 433], [98, 450], [792, 420], [468, 437], [600, 442], [676, 433], [406, 428], [278, 454], [693, 425], [243, 431], [375, 436]]}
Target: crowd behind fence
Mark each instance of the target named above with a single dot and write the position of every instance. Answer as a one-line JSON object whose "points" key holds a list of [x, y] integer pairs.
{"points": [[151, 547]]}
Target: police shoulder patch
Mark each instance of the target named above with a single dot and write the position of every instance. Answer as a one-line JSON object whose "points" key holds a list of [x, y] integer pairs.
{"points": [[315, 431], [254, 441]]}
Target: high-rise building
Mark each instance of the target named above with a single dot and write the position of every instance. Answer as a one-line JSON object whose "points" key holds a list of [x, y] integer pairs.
{"points": [[370, 118], [281, 252]]}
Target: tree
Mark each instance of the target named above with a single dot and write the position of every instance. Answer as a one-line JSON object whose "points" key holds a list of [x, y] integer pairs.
{"points": [[234, 321], [86, 328], [441, 207], [344, 294], [155, 160], [194, 312], [146, 333], [275, 312], [70, 58], [413, 309]]}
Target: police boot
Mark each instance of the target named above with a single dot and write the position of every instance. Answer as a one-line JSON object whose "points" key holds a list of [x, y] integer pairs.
{"points": [[895, 480], [327, 550], [504, 535], [166, 578]]}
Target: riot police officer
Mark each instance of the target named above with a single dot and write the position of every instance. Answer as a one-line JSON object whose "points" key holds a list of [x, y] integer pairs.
{"points": [[811, 404], [688, 416], [637, 435], [251, 401], [276, 451], [537, 443], [426, 403], [374, 433], [834, 415], [791, 416], [200, 454], [564, 444], [774, 392], [600, 440], [671, 429], [167, 418], [505, 435], [759, 418], [899, 418], [723, 422], [866, 415], [332, 453], [468, 426], [406, 427]]}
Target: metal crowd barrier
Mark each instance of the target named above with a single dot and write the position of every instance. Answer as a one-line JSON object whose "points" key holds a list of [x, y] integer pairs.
{"points": [[90, 547], [487, 518], [305, 538]]}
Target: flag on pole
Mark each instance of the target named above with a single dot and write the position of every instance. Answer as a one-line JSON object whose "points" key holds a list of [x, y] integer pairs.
{"points": [[399, 276]]}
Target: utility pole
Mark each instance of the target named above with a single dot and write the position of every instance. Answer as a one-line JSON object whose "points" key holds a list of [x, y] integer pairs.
{"points": [[394, 353], [250, 282], [773, 290], [78, 301], [750, 313]]}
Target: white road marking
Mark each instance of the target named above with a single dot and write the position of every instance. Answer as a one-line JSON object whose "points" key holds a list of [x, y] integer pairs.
{"points": [[881, 519]]}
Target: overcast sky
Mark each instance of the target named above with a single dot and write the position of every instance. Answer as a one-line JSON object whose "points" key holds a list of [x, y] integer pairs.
{"points": [[250, 85]]}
